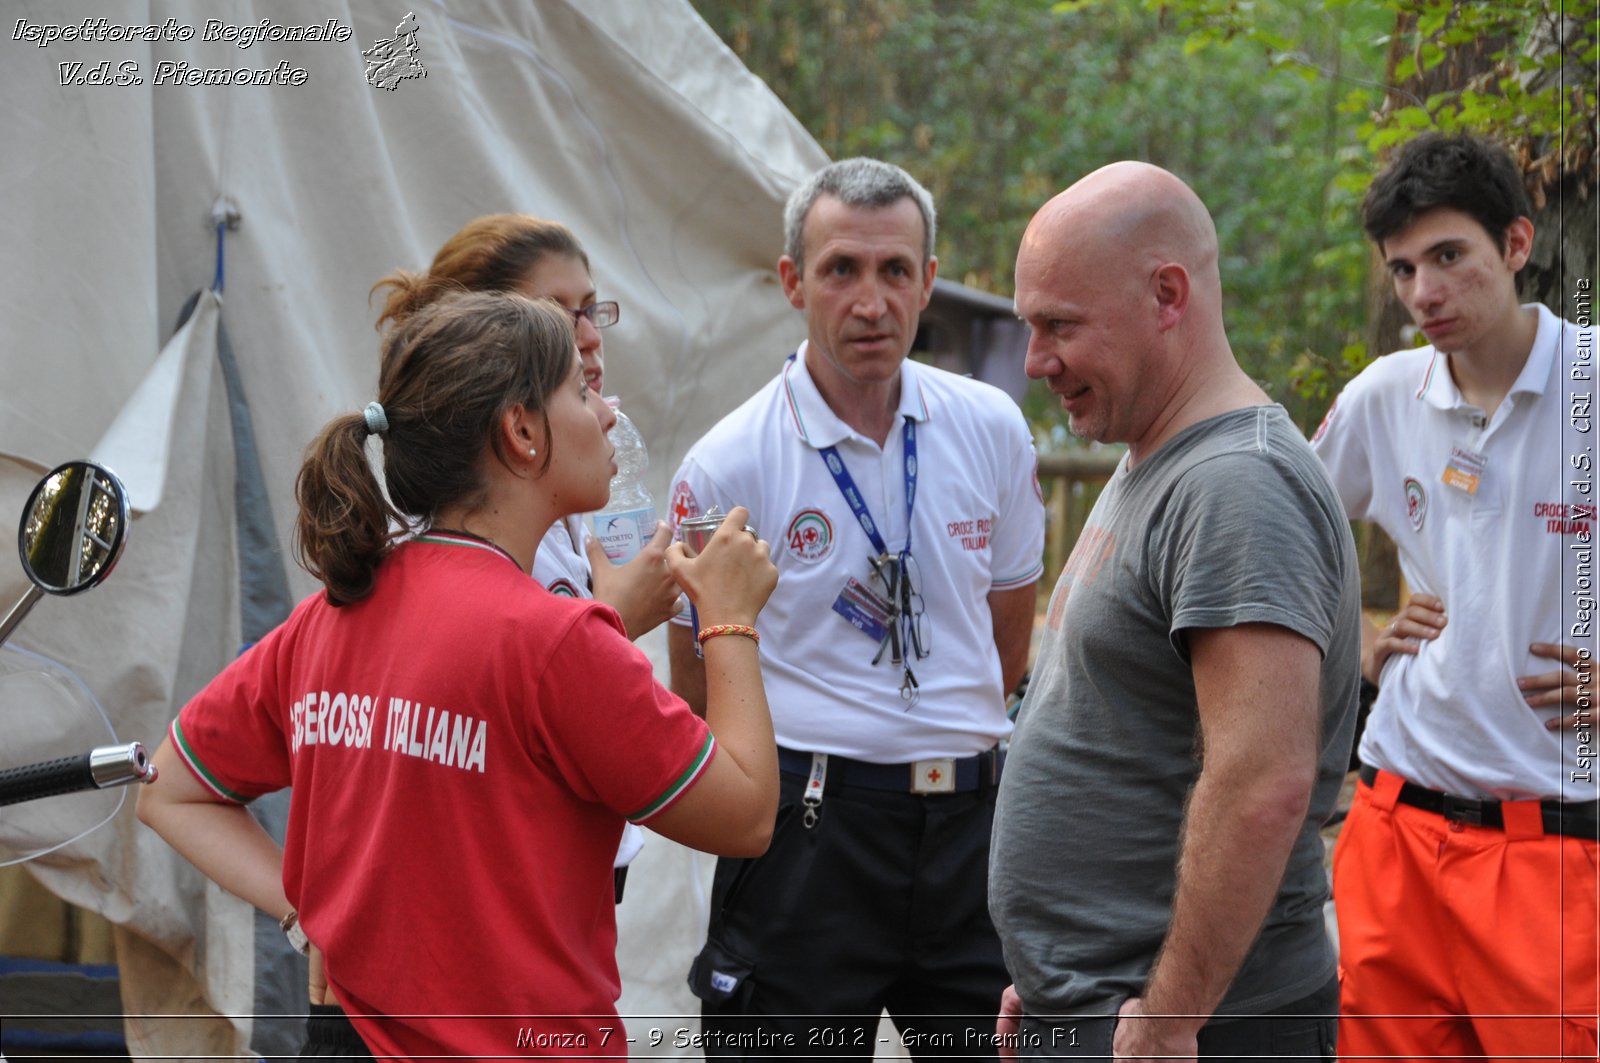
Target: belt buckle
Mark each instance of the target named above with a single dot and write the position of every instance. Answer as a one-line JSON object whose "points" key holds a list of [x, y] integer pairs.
{"points": [[936, 775], [1462, 810]]}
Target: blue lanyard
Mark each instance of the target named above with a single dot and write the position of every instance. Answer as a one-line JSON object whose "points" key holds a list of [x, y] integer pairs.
{"points": [[858, 506], [903, 638]]}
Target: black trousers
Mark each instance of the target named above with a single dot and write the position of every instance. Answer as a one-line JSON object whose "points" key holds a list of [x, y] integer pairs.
{"points": [[1303, 1029], [329, 1035], [881, 904]]}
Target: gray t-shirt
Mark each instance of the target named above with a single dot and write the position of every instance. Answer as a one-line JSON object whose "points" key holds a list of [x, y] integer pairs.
{"points": [[1232, 521]]}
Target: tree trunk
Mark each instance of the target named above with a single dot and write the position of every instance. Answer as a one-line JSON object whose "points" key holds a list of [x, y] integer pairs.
{"points": [[1562, 182], [1564, 239]]}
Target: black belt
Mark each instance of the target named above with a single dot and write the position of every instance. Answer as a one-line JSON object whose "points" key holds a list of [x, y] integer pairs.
{"points": [[1573, 819], [925, 777]]}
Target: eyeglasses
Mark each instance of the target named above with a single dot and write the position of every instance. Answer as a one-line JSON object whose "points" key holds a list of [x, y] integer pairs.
{"points": [[600, 315], [905, 637]]}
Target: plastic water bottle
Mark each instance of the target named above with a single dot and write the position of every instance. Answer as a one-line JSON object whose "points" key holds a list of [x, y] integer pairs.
{"points": [[629, 519]]}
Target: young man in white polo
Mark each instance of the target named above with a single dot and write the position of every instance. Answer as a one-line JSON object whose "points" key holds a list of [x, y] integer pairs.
{"points": [[1465, 876]]}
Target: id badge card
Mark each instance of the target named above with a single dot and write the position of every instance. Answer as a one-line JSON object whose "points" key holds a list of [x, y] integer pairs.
{"points": [[1464, 471], [864, 608]]}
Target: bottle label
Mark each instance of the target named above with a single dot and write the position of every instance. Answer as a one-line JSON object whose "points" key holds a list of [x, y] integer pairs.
{"points": [[623, 533]]}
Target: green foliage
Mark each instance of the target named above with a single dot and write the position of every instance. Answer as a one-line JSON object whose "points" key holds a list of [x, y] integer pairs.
{"points": [[1526, 94], [1521, 71], [1275, 111], [998, 104]]}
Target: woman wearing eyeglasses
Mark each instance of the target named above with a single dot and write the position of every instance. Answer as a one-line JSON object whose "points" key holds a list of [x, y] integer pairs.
{"points": [[543, 260], [463, 747]]}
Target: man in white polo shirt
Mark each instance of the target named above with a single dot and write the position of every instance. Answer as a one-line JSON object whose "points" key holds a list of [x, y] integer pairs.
{"points": [[908, 529], [1465, 876]]}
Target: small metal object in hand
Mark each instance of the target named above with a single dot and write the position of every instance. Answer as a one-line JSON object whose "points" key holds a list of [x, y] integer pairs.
{"points": [[696, 532]]}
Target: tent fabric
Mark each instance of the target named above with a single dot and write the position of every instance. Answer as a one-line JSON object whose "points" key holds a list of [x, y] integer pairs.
{"points": [[265, 600], [628, 121]]}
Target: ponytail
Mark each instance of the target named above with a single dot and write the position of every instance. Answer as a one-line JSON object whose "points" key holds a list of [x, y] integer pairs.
{"points": [[450, 370], [345, 526], [410, 292]]}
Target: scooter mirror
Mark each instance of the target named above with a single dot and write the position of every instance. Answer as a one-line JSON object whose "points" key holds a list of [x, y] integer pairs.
{"points": [[73, 528]]}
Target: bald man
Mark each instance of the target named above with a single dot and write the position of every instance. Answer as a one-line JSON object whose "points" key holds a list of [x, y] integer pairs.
{"points": [[1156, 869]]}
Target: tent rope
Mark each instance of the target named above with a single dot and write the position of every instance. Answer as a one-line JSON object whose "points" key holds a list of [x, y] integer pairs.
{"points": [[216, 281], [225, 215]]}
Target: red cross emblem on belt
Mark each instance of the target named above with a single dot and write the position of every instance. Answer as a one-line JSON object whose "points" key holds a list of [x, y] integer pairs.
{"points": [[936, 775]]}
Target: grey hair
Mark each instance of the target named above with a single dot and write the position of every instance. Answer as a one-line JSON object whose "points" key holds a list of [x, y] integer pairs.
{"points": [[858, 182]]}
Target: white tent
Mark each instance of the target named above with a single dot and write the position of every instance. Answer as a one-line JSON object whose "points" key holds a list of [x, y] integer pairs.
{"points": [[628, 120]]}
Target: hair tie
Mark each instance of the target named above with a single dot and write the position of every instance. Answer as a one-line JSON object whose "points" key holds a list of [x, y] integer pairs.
{"points": [[377, 421]]}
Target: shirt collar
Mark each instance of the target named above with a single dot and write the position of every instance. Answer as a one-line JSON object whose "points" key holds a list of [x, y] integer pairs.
{"points": [[452, 537], [814, 420], [1438, 387]]}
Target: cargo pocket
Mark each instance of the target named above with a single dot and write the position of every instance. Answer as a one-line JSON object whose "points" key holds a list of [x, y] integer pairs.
{"points": [[720, 977], [734, 874]]}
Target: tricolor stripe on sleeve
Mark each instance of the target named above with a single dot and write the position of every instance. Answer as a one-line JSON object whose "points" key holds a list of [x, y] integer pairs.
{"points": [[192, 761], [680, 784], [1031, 576]]}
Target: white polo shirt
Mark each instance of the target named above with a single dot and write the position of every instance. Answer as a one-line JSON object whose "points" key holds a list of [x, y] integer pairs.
{"points": [[1512, 562], [977, 526], [560, 563]]}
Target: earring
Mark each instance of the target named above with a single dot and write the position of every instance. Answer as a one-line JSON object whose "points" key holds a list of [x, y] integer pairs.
{"points": [[532, 453]]}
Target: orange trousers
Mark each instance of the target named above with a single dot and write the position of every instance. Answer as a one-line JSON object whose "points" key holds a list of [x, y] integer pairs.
{"points": [[1463, 942]]}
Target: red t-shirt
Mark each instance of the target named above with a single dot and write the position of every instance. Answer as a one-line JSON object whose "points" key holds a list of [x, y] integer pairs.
{"points": [[463, 747]]}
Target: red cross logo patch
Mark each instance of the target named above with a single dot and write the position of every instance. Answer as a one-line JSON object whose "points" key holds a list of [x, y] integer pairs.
{"points": [[683, 506], [934, 776]]}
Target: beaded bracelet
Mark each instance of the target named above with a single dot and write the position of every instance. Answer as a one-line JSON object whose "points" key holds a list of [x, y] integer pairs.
{"points": [[708, 633]]}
